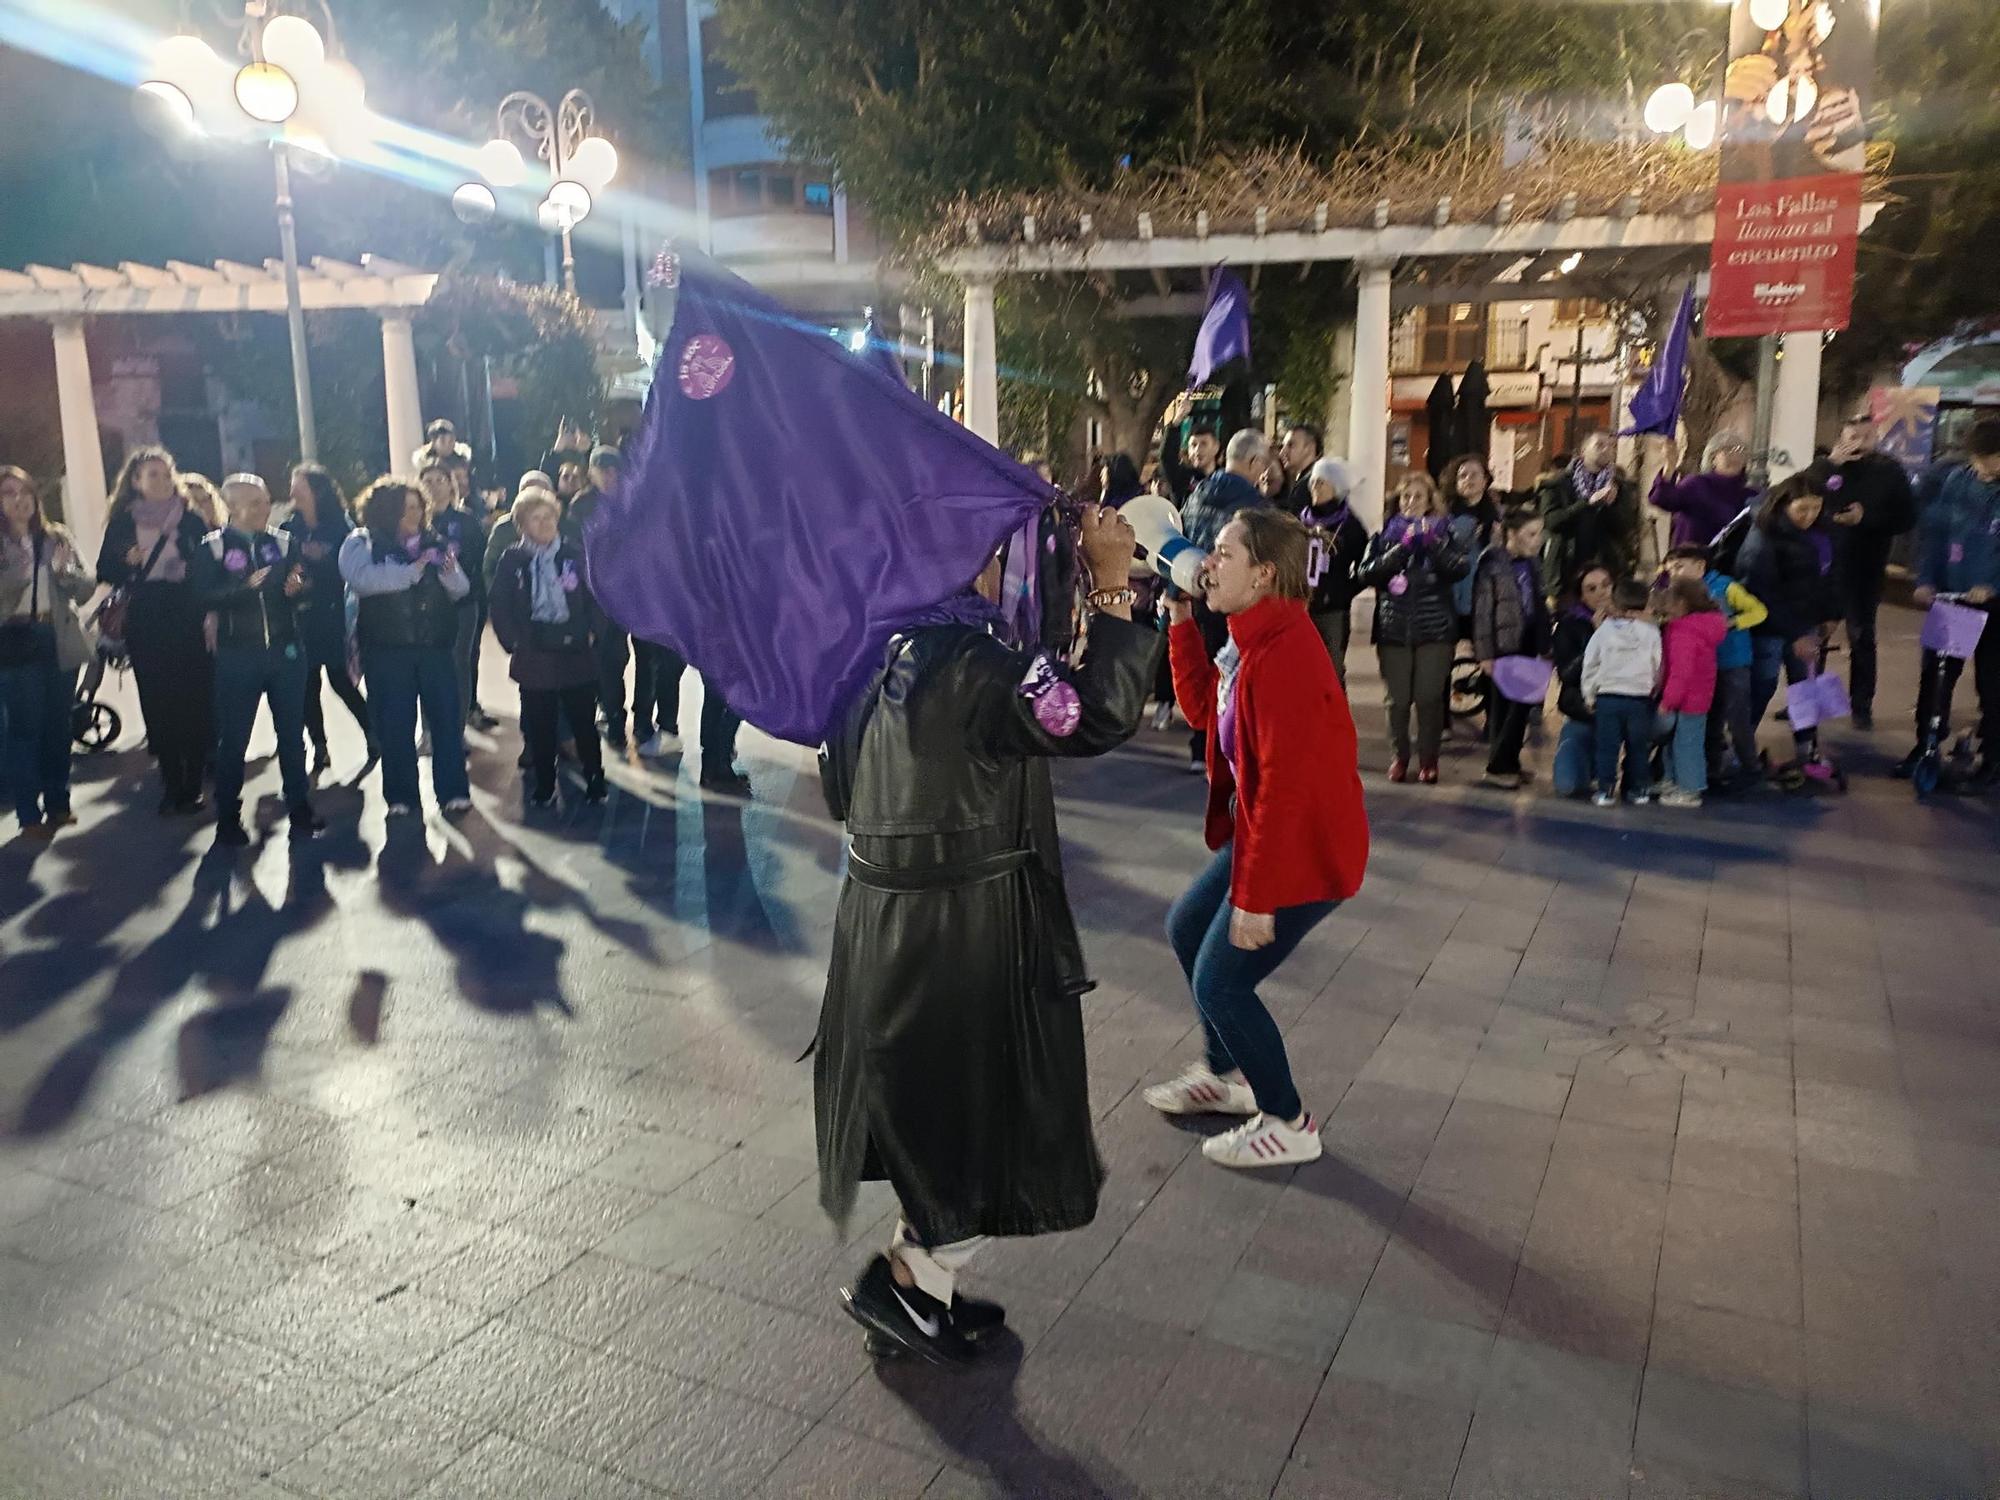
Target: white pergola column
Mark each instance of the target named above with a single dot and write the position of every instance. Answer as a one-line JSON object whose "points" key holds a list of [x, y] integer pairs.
{"points": [[399, 381], [982, 360], [1795, 413], [83, 453], [1368, 400]]}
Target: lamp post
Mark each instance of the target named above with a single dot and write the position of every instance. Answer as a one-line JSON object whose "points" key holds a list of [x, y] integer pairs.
{"points": [[580, 163], [292, 85]]}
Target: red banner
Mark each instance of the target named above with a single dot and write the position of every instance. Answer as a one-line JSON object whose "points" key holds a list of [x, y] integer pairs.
{"points": [[1784, 256]]}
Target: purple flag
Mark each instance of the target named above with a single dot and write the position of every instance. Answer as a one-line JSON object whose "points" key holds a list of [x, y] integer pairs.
{"points": [[1656, 405], [1225, 327], [787, 506]]}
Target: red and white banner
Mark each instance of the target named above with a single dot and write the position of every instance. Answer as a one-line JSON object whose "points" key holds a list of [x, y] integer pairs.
{"points": [[1784, 256], [1794, 141]]}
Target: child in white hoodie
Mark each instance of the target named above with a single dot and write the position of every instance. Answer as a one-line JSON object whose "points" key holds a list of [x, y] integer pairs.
{"points": [[1621, 673]]}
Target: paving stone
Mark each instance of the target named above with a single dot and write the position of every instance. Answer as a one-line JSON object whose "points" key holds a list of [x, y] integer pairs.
{"points": [[1284, 1319], [1363, 1441], [713, 1444], [1443, 1362], [833, 1465], [1505, 1462], [504, 1468], [1731, 1251], [1723, 1431]]}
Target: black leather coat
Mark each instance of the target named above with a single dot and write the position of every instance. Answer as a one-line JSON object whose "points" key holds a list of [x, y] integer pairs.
{"points": [[1423, 613], [259, 618], [950, 1057]]}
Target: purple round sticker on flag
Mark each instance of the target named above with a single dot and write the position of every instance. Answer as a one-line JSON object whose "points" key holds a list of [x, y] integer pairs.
{"points": [[1399, 585], [1059, 710], [707, 366], [235, 559]]}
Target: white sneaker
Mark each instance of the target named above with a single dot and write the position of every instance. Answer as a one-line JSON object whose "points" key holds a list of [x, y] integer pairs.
{"points": [[1198, 1091], [1163, 716], [1264, 1142], [1604, 799], [1680, 796], [659, 746]]}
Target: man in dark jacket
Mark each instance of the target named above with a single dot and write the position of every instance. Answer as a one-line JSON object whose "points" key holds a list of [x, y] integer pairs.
{"points": [[950, 1056], [248, 578], [1301, 449], [1591, 512], [1958, 552], [1874, 507], [1206, 512], [1204, 452]]}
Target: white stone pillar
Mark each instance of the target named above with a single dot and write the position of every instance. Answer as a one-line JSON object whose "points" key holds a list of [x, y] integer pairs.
{"points": [[83, 452], [399, 382], [982, 360], [1795, 414], [1368, 402]]}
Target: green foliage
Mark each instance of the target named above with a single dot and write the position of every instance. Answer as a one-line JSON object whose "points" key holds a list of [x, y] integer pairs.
{"points": [[539, 336], [1927, 265], [919, 103]]}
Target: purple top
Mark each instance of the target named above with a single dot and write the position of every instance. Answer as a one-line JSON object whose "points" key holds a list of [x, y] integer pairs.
{"points": [[1701, 505]]}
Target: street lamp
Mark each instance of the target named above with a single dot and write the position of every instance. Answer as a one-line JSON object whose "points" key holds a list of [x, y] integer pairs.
{"points": [[580, 163], [292, 84]]}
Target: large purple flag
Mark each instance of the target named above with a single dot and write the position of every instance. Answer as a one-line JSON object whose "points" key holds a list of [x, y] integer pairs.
{"points": [[1656, 405], [1225, 327], [787, 506]]}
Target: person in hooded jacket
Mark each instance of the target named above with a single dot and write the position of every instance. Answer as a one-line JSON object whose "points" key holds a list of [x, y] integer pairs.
{"points": [[547, 622], [1510, 617], [1339, 542], [950, 1051], [249, 578], [1411, 563], [407, 585], [1787, 562]]}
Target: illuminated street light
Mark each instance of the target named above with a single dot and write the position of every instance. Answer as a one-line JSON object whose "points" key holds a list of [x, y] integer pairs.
{"points": [[1669, 108], [474, 203], [293, 81], [580, 162]]}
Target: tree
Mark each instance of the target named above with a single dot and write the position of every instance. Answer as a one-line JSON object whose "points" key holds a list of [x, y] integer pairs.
{"points": [[918, 104], [1926, 267]]}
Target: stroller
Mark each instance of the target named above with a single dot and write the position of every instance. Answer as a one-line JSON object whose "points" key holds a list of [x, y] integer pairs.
{"points": [[94, 724]]}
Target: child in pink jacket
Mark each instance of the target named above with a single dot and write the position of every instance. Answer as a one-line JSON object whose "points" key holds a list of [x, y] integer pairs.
{"points": [[1691, 633]]}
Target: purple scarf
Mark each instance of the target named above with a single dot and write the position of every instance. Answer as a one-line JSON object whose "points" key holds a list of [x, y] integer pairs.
{"points": [[1586, 481]]}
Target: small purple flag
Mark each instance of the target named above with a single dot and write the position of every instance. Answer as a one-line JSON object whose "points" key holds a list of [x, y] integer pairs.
{"points": [[1225, 327], [1656, 405], [785, 508]]}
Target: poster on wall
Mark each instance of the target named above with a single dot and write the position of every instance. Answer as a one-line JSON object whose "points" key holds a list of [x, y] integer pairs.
{"points": [[1794, 141], [1906, 419]]}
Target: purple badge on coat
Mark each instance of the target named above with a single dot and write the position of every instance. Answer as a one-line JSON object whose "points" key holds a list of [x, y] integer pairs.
{"points": [[1057, 707]]}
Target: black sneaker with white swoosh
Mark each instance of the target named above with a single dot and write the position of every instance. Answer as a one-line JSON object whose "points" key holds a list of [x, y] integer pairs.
{"points": [[905, 1316]]}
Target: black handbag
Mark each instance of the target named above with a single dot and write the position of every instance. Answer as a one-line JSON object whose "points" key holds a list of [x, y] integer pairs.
{"points": [[23, 639]]}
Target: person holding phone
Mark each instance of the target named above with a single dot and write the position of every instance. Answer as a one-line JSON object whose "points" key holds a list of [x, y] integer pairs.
{"points": [[250, 580], [408, 584]]}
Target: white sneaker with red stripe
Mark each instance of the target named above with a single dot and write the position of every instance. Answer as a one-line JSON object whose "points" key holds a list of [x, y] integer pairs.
{"points": [[1263, 1142], [1198, 1091]]}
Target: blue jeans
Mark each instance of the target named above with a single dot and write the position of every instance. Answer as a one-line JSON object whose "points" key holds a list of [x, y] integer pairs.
{"points": [[1239, 1031], [1624, 721], [35, 702], [1576, 755], [244, 677], [1687, 749], [398, 677], [1767, 668]]}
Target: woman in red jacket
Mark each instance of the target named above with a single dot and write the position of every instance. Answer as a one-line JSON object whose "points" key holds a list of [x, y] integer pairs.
{"points": [[1285, 820]]}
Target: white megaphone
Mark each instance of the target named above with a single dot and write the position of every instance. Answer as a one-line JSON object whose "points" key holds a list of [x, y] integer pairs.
{"points": [[1157, 524]]}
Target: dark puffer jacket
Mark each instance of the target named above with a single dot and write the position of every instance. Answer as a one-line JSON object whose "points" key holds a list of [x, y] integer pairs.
{"points": [[1573, 630], [1792, 572], [1501, 626], [1422, 612]]}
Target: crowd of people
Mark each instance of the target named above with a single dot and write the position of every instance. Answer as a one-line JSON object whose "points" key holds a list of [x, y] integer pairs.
{"points": [[220, 604], [1662, 674]]}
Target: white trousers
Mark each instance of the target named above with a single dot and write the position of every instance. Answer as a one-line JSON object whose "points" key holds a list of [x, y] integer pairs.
{"points": [[934, 1268]]}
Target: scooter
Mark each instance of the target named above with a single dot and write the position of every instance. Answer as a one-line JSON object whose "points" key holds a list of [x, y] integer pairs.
{"points": [[1927, 772]]}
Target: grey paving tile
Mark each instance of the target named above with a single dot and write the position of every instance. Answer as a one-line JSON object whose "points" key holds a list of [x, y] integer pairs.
{"points": [[1287, 1320], [833, 1465], [1224, 1416], [1731, 1251], [1364, 1441], [504, 1468], [1506, 1462], [1724, 1431], [1858, 1456], [1441, 1361]]}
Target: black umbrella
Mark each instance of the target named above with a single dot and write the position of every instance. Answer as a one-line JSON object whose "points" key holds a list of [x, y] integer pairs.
{"points": [[1441, 410], [1472, 425]]}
